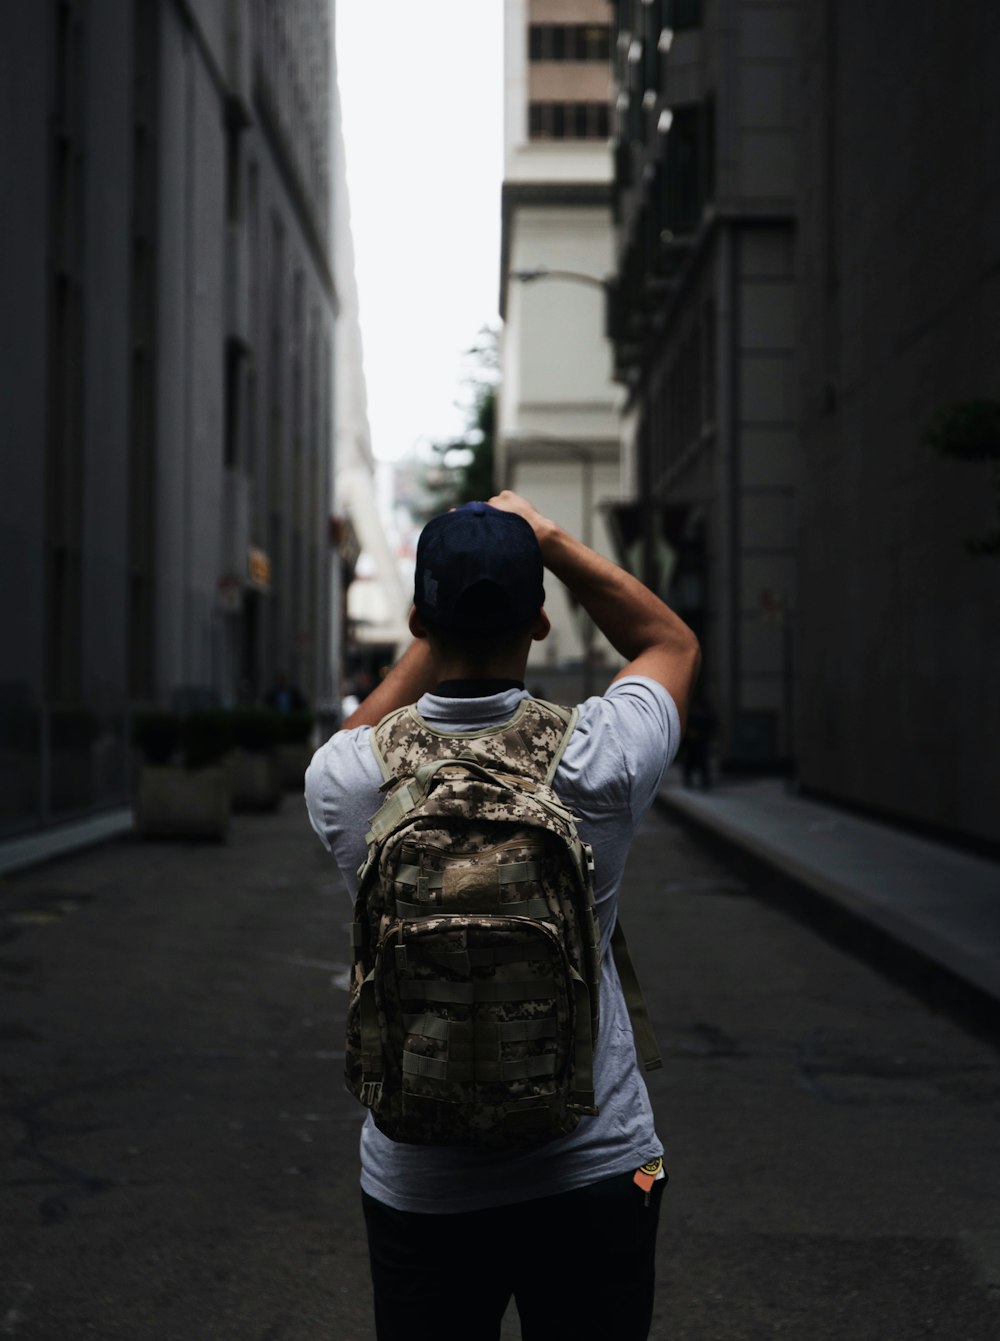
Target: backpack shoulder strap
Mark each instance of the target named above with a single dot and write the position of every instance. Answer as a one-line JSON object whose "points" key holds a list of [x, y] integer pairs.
{"points": [[568, 718], [386, 734], [646, 1046], [531, 743]]}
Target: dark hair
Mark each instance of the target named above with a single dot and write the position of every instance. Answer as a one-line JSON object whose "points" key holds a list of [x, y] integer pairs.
{"points": [[476, 649]]}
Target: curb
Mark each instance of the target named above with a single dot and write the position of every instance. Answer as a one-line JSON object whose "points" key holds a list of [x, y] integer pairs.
{"points": [[19, 854], [942, 975]]}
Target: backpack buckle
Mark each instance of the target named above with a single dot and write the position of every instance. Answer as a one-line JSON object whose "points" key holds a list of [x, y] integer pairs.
{"points": [[371, 1093]]}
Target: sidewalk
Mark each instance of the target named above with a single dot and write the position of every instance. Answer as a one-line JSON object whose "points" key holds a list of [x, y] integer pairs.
{"points": [[937, 903]]}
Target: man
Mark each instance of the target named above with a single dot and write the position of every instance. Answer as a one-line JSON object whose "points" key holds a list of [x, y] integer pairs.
{"points": [[564, 1227], [284, 696]]}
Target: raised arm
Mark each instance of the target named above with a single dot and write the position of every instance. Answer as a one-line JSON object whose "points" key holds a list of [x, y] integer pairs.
{"points": [[654, 641], [412, 675]]}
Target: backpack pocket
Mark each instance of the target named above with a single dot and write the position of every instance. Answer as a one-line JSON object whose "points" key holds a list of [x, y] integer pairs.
{"points": [[483, 1022]]}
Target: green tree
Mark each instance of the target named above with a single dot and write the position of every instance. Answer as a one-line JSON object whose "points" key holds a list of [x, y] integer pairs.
{"points": [[461, 469]]}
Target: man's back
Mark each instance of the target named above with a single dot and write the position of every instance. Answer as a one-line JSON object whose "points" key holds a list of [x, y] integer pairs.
{"points": [[608, 777]]}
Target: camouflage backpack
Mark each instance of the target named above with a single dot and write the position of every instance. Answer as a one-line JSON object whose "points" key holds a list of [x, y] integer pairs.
{"points": [[473, 1011]]}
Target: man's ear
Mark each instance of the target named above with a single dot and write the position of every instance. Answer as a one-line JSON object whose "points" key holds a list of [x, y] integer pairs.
{"points": [[542, 627], [416, 624]]}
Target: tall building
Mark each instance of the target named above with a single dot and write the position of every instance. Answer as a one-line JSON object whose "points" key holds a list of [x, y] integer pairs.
{"points": [[557, 423], [373, 629], [898, 654], [805, 321], [166, 377], [703, 322]]}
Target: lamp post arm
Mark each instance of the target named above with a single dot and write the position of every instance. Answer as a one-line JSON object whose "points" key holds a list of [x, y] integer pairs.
{"points": [[570, 276]]}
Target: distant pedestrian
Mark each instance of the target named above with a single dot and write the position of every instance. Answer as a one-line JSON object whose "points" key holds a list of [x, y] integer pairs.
{"points": [[696, 748], [284, 696], [567, 1227]]}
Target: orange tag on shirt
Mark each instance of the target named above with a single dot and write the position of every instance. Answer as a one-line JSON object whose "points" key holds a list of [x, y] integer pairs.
{"points": [[648, 1174]]}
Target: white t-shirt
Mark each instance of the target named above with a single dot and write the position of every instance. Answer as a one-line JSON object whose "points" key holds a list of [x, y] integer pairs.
{"points": [[609, 776]]}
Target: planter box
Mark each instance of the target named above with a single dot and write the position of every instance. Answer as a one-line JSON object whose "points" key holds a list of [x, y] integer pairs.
{"points": [[174, 802], [293, 760], [254, 779]]}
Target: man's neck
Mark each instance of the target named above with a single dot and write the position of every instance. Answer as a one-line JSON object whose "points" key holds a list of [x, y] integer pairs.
{"points": [[476, 687]]}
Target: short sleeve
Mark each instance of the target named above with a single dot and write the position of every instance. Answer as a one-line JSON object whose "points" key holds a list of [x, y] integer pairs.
{"points": [[622, 746], [340, 783]]}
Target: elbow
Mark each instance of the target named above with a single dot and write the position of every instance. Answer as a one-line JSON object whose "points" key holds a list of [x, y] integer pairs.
{"points": [[694, 651], [689, 654], [689, 649]]}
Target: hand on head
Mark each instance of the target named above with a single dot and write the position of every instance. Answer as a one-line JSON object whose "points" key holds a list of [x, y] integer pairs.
{"points": [[508, 501]]}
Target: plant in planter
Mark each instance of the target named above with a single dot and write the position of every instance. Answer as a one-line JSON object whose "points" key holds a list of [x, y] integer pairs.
{"points": [[157, 736], [182, 788], [253, 765], [296, 748], [207, 738]]}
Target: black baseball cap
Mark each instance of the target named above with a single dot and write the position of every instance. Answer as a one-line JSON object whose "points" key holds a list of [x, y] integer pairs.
{"points": [[479, 570]]}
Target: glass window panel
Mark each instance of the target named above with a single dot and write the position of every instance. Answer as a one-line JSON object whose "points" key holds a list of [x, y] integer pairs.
{"points": [[596, 42], [687, 14]]}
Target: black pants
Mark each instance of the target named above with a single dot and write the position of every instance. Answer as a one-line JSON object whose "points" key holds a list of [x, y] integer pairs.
{"points": [[579, 1265]]}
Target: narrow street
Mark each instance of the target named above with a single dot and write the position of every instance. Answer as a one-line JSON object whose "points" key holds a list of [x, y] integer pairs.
{"points": [[179, 1156]]}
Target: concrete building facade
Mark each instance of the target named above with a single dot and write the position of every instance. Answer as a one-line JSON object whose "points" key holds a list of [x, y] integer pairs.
{"points": [[703, 319], [557, 422], [166, 378], [898, 654], [375, 601]]}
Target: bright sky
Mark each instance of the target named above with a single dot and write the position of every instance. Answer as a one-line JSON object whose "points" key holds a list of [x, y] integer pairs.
{"points": [[421, 87]]}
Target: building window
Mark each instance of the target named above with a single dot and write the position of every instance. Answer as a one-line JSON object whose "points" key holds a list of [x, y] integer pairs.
{"points": [[233, 404], [569, 42], [708, 360], [63, 630], [685, 175], [569, 121], [142, 337], [685, 14]]}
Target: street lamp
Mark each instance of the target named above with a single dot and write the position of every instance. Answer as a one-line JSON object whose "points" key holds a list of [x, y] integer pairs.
{"points": [[529, 276], [532, 274]]}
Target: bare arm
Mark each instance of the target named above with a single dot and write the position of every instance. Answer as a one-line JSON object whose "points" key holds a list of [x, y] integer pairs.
{"points": [[654, 641], [412, 675]]}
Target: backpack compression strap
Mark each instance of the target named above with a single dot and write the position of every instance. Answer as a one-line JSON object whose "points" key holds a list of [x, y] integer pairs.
{"points": [[642, 1030]]}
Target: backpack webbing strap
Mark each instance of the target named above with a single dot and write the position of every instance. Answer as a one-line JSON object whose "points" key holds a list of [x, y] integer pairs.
{"points": [[371, 1034], [533, 908], [642, 1030], [506, 873], [583, 1075]]}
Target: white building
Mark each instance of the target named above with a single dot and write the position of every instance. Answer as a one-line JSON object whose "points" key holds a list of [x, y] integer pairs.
{"points": [[375, 600], [558, 435]]}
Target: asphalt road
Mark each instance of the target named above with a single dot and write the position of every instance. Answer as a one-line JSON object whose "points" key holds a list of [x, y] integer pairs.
{"points": [[179, 1157]]}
